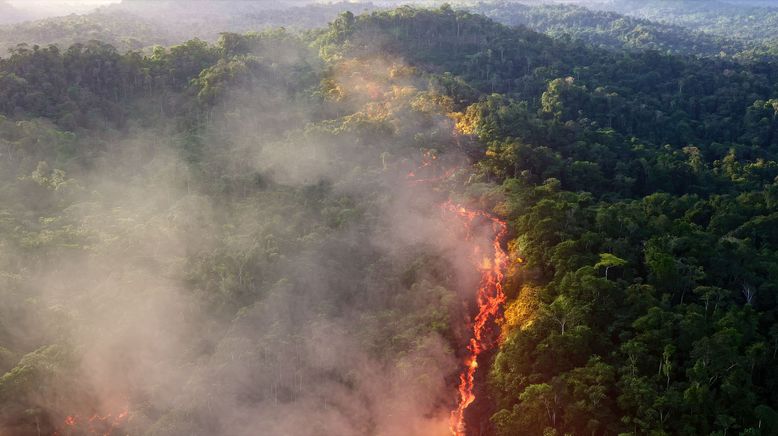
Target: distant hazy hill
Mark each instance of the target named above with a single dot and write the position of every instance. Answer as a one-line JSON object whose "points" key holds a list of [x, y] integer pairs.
{"points": [[206, 19], [122, 30], [9, 14], [610, 29], [227, 7], [748, 20], [136, 24]]}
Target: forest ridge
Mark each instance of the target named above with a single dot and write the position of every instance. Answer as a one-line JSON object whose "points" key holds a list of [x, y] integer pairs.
{"points": [[220, 237]]}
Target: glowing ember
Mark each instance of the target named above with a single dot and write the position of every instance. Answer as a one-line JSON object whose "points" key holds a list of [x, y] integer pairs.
{"points": [[96, 424], [490, 300], [431, 171]]}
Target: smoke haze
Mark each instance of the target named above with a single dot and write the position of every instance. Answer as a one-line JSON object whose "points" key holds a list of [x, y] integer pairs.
{"points": [[296, 285]]}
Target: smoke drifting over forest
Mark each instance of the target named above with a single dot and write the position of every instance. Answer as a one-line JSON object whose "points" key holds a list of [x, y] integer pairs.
{"points": [[354, 219], [274, 267]]}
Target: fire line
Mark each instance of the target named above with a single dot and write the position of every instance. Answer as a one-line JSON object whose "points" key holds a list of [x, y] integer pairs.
{"points": [[490, 299]]}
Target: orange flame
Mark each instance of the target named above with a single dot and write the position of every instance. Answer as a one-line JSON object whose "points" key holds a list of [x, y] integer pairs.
{"points": [[96, 424], [490, 296], [490, 300]]}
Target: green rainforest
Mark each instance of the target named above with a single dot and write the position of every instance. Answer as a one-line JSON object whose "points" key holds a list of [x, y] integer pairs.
{"points": [[226, 218]]}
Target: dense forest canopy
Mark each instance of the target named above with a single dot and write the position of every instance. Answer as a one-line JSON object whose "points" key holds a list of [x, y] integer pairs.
{"points": [[241, 233], [613, 30], [741, 19]]}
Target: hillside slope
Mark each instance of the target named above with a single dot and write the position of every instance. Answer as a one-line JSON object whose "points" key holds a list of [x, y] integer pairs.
{"points": [[612, 30], [138, 25], [214, 238], [741, 20]]}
